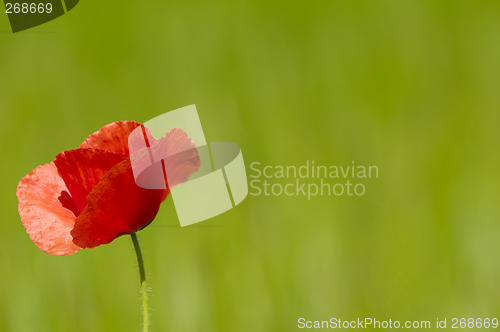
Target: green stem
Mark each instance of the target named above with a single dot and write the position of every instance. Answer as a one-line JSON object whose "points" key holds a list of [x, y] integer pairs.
{"points": [[142, 272]]}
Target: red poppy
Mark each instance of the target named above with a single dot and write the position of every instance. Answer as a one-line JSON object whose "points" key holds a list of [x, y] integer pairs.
{"points": [[88, 196]]}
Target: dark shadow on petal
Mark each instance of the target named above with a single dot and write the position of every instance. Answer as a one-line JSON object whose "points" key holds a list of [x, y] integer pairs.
{"points": [[67, 202]]}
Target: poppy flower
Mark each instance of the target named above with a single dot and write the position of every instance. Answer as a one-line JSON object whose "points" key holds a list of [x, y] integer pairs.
{"points": [[88, 196]]}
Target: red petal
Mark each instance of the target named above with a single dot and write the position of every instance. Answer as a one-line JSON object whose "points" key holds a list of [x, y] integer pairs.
{"points": [[82, 169], [112, 137], [173, 157], [47, 221], [180, 156], [116, 206]]}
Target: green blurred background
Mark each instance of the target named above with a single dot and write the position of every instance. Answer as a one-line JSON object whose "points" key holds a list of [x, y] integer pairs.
{"points": [[410, 86]]}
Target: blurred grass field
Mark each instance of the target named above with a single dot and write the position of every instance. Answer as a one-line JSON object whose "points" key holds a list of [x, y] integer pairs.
{"points": [[410, 86]]}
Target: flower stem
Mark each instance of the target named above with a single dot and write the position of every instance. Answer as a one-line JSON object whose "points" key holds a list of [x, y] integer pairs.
{"points": [[142, 272]]}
